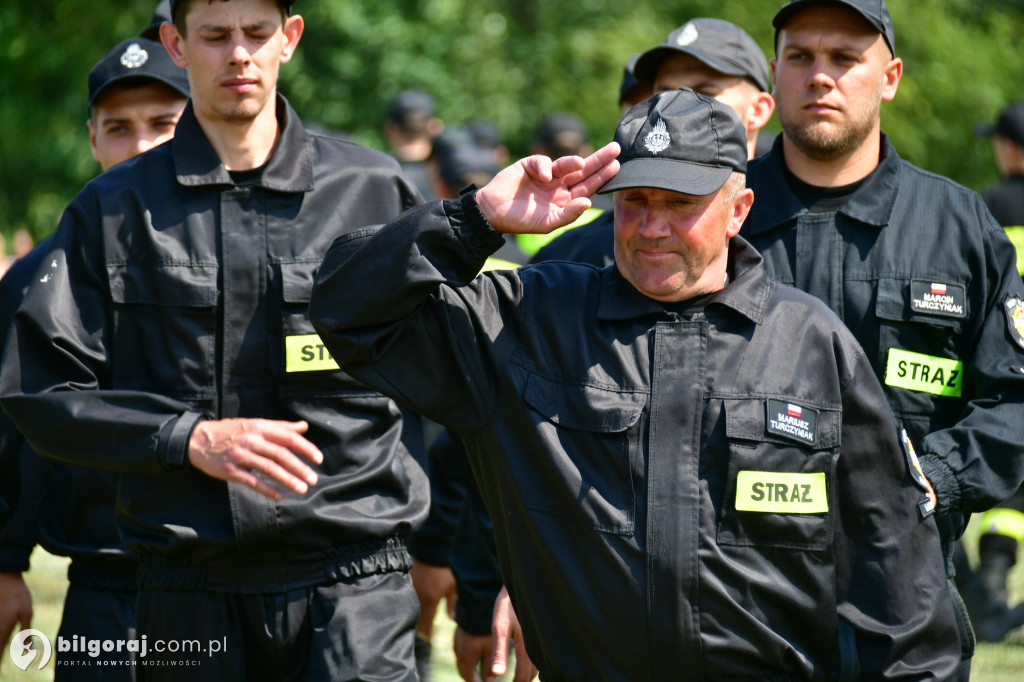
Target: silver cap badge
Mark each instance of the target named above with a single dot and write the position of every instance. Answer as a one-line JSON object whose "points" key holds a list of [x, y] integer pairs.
{"points": [[134, 57], [658, 140]]}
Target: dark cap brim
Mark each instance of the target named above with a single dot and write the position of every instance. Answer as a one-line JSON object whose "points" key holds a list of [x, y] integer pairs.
{"points": [[668, 174], [177, 86], [647, 65]]}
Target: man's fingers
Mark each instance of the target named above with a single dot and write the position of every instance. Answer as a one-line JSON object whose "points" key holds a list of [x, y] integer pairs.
{"points": [[598, 168], [566, 165], [279, 465], [539, 168], [288, 434]]}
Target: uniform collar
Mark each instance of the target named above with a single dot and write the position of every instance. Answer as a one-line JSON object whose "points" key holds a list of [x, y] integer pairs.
{"points": [[289, 169], [746, 291], [873, 202]]}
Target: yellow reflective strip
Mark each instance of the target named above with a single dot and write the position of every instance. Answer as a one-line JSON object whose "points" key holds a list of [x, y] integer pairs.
{"points": [[1008, 522], [531, 243], [924, 373], [1016, 235], [306, 353], [780, 493]]}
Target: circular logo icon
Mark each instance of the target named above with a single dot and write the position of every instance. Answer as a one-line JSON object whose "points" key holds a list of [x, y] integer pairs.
{"points": [[23, 653]]}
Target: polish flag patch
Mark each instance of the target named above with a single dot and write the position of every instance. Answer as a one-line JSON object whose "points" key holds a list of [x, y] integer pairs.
{"points": [[938, 289], [794, 410]]}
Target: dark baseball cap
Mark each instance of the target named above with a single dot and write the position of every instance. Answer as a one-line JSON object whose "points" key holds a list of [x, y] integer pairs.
{"points": [[134, 59], [286, 5], [679, 141], [161, 14], [562, 134], [1010, 124], [722, 45], [874, 11], [465, 163], [409, 103]]}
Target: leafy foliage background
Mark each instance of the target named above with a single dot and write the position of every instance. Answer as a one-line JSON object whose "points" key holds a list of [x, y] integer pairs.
{"points": [[512, 61]]}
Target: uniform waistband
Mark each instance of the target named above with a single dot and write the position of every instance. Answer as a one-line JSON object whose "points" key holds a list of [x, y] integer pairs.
{"points": [[276, 573], [118, 572]]}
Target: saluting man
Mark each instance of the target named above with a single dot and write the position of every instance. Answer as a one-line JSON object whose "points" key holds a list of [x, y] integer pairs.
{"points": [[692, 470]]}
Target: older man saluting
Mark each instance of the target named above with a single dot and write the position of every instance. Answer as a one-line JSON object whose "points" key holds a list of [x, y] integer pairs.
{"points": [[693, 472]]}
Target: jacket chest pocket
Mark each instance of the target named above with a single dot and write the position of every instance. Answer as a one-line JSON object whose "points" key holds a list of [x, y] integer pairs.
{"points": [[589, 440], [779, 483], [919, 334], [305, 365], [165, 320]]}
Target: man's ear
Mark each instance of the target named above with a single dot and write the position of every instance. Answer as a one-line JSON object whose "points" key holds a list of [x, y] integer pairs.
{"points": [[172, 40], [893, 73], [740, 208], [293, 27], [760, 111], [92, 138]]}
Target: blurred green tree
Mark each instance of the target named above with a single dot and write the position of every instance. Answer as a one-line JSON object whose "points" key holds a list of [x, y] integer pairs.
{"points": [[512, 61]]}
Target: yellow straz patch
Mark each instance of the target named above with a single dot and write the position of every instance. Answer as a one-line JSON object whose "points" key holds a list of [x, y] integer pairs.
{"points": [[924, 373], [777, 493], [307, 353]]}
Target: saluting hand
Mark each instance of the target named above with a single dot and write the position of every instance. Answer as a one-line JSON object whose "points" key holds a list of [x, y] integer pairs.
{"points": [[248, 451], [537, 195]]}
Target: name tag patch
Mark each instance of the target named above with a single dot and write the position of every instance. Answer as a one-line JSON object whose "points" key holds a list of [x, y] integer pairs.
{"points": [[792, 421], [937, 298], [307, 353], [924, 373], [780, 493]]}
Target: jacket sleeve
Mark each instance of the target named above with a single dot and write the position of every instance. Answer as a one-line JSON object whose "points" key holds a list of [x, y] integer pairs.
{"points": [[979, 461], [401, 309], [891, 586], [18, 534], [54, 383]]}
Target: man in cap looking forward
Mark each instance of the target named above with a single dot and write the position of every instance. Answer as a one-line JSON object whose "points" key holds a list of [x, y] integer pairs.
{"points": [[661, 503], [266, 493], [719, 59], [136, 95], [914, 264]]}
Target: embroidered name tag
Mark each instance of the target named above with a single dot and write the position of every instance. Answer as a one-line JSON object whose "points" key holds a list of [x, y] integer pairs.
{"points": [[924, 373], [777, 493], [307, 353], [936, 298], [792, 421]]}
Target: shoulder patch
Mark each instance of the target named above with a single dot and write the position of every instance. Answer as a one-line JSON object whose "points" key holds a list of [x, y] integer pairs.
{"points": [[925, 507], [1013, 307]]}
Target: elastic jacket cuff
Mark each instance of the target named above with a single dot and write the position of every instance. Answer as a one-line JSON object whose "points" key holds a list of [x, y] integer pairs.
{"points": [[943, 480], [472, 227], [174, 445], [14, 559]]}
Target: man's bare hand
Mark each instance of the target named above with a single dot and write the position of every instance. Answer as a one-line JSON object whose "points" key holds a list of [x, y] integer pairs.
{"points": [[537, 195], [472, 653], [432, 584], [256, 453], [15, 606], [506, 630]]}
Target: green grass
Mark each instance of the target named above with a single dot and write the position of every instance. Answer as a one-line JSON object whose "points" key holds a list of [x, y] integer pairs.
{"points": [[992, 663]]}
